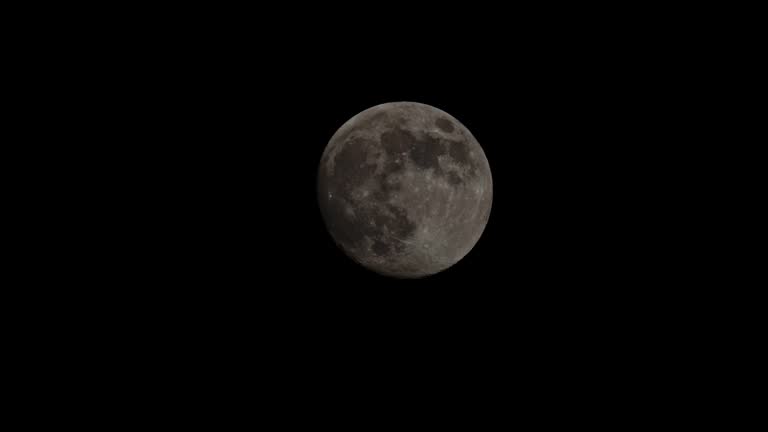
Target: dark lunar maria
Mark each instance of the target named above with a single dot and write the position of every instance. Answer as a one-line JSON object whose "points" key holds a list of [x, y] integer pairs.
{"points": [[405, 189]]}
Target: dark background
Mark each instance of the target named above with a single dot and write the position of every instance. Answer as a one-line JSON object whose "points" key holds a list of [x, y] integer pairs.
{"points": [[193, 263], [198, 135], [571, 130], [221, 127], [227, 128]]}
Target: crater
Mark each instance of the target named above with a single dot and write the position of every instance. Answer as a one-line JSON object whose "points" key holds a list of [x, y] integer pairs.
{"points": [[380, 248], [351, 167], [351, 229], [397, 141], [444, 124], [402, 227], [460, 153], [385, 188], [394, 165], [454, 179], [424, 154]]}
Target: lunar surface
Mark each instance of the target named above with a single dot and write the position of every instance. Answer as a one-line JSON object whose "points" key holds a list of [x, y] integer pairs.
{"points": [[405, 189]]}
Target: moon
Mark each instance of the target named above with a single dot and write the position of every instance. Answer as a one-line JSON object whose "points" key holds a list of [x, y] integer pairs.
{"points": [[404, 189]]}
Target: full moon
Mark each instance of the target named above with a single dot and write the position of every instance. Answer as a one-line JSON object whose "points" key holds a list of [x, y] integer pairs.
{"points": [[404, 189]]}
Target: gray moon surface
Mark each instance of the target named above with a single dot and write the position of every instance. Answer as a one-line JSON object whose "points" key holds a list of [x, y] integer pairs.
{"points": [[404, 189]]}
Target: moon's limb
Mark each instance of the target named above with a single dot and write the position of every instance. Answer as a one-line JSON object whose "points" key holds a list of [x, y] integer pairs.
{"points": [[405, 189]]}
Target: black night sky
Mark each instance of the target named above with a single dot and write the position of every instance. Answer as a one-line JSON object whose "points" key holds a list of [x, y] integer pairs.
{"points": [[213, 265], [564, 140], [230, 136]]}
